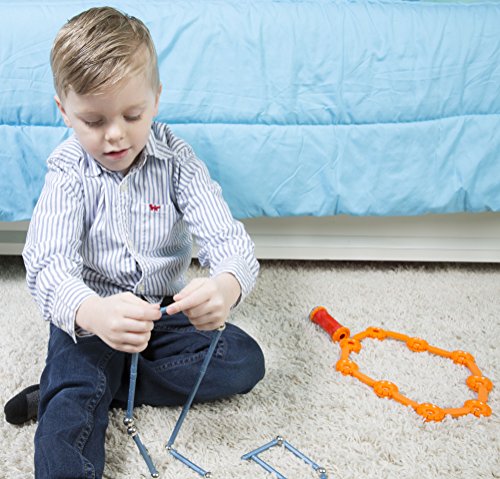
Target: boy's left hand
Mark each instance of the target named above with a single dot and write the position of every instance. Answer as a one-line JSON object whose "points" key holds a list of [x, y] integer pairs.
{"points": [[207, 301]]}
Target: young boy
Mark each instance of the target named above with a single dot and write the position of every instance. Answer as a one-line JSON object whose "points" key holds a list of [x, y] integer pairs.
{"points": [[110, 241]]}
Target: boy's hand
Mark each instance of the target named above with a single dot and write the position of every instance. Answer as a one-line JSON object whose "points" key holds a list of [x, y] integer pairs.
{"points": [[207, 301], [123, 321]]}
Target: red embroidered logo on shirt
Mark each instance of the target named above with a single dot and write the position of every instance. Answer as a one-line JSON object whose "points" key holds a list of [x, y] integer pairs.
{"points": [[153, 207]]}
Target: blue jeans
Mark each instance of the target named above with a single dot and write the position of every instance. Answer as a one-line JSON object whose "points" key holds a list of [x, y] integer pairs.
{"points": [[82, 381]]}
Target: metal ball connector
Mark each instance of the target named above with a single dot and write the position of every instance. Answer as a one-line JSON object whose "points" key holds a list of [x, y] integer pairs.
{"points": [[280, 440], [155, 474], [131, 431], [128, 421], [321, 471], [222, 327], [208, 475]]}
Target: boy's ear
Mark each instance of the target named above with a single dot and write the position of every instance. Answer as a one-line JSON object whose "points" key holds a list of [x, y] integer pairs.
{"points": [[63, 111]]}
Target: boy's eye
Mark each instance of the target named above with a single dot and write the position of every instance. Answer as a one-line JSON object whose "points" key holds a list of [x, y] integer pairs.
{"points": [[133, 118], [93, 124]]}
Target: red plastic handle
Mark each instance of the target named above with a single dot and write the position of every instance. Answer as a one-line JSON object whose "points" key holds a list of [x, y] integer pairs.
{"points": [[320, 316]]}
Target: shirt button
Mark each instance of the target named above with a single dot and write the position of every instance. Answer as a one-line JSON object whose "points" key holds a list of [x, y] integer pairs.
{"points": [[140, 288], [124, 187]]}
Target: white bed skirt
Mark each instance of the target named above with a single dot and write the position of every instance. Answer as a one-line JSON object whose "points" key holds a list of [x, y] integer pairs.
{"points": [[455, 238]]}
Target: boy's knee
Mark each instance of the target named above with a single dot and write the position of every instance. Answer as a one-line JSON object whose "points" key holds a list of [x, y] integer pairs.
{"points": [[256, 366], [256, 359], [248, 362]]}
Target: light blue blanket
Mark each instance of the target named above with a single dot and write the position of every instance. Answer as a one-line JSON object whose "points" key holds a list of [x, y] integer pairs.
{"points": [[310, 107]]}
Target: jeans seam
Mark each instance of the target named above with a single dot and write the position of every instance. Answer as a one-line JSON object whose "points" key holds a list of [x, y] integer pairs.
{"points": [[84, 435], [221, 348], [219, 353], [89, 469], [165, 328], [192, 358]]}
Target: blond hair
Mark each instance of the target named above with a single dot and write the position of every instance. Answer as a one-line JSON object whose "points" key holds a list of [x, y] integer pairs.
{"points": [[98, 48]]}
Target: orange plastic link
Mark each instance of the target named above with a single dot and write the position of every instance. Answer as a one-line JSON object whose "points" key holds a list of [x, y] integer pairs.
{"points": [[346, 367], [431, 412], [476, 382], [417, 345], [350, 344], [386, 389], [462, 358], [478, 408], [376, 333]]}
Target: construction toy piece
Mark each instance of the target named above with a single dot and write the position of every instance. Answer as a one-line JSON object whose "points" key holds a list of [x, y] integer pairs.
{"points": [[279, 441], [385, 389], [329, 324], [129, 420], [187, 405]]}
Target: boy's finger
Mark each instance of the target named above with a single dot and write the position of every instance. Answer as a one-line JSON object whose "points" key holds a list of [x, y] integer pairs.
{"points": [[142, 312], [194, 299], [134, 326], [133, 299], [177, 307], [191, 287], [188, 297], [142, 309]]}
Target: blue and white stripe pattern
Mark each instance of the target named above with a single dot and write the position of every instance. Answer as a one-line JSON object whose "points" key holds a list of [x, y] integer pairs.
{"points": [[94, 231]]}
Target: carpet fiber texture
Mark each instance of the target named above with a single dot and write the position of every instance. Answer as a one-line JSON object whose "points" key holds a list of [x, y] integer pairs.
{"points": [[337, 421]]}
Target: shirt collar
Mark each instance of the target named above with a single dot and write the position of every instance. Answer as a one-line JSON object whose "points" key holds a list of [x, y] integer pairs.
{"points": [[156, 146], [93, 168], [150, 148]]}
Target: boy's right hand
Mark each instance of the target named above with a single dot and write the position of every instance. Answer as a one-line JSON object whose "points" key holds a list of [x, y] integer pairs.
{"points": [[123, 321]]}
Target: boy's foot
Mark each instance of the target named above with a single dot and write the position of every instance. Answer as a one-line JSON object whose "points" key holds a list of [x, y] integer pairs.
{"points": [[23, 407]]}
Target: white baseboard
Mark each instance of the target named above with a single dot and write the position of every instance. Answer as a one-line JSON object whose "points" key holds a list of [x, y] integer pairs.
{"points": [[455, 238], [12, 237]]}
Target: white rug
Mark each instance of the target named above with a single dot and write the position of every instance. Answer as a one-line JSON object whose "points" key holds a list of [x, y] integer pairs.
{"points": [[337, 421]]}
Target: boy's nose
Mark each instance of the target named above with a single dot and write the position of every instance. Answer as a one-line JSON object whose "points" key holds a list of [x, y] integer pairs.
{"points": [[114, 133]]}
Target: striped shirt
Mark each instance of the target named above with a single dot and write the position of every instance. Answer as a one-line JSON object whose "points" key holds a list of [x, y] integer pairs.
{"points": [[95, 231]]}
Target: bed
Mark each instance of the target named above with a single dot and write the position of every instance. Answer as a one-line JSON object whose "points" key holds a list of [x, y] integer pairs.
{"points": [[312, 115]]}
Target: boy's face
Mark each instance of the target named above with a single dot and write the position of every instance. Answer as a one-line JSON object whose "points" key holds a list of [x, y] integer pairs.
{"points": [[113, 126]]}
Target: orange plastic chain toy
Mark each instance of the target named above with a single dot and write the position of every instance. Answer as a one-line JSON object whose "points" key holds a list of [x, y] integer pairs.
{"points": [[386, 389]]}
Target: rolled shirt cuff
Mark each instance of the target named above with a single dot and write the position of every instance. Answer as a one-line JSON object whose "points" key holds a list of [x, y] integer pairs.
{"points": [[69, 296], [240, 269]]}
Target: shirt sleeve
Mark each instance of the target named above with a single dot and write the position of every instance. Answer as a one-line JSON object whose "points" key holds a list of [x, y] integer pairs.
{"points": [[224, 245], [51, 253]]}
